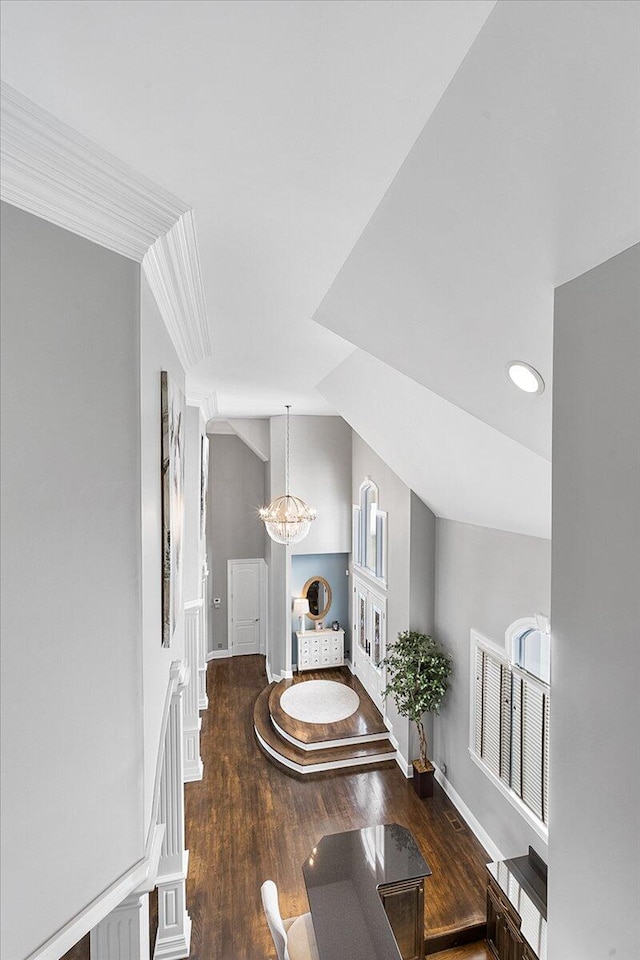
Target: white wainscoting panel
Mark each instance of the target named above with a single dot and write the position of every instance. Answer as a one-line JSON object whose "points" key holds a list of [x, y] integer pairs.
{"points": [[193, 768]]}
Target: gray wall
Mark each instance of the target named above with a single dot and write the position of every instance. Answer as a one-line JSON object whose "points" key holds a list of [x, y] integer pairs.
{"points": [[485, 579], [72, 783], [422, 589], [422, 566], [156, 353], [594, 897], [235, 531]]}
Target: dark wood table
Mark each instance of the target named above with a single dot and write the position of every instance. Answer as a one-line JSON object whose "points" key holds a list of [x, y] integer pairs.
{"points": [[366, 894]]}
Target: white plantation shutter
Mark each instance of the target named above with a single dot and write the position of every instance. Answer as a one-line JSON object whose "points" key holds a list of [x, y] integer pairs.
{"points": [[516, 735], [491, 712], [510, 731], [545, 762], [478, 687], [532, 746], [505, 725]]}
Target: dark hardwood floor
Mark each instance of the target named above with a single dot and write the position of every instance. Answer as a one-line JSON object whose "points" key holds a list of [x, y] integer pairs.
{"points": [[247, 821]]}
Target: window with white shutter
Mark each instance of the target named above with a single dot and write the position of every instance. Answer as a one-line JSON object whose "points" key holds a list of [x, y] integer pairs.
{"points": [[510, 725]]}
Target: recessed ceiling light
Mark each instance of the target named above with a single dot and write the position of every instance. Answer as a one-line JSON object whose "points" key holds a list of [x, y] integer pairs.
{"points": [[525, 377]]}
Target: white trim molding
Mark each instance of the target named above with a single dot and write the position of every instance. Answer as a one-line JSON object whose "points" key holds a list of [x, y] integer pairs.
{"points": [[124, 933], [172, 267], [400, 758], [218, 655], [174, 923], [56, 173], [193, 766], [205, 399]]}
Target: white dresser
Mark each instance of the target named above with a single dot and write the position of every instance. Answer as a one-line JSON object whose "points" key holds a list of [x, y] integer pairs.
{"points": [[320, 648]]}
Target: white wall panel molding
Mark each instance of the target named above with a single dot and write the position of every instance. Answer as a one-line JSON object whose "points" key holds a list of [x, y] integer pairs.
{"points": [[193, 767], [172, 267], [174, 924], [124, 933], [203, 699], [54, 172]]}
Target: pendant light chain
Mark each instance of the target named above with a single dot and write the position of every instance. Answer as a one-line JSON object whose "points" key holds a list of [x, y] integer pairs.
{"points": [[286, 484], [287, 519]]}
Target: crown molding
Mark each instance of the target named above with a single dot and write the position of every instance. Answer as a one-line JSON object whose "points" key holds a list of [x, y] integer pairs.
{"points": [[56, 173], [172, 267], [204, 399]]}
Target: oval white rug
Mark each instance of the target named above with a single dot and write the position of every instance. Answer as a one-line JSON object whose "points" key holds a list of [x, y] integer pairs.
{"points": [[319, 701]]}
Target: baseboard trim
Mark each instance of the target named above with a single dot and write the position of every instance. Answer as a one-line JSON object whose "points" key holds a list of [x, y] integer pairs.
{"points": [[474, 824], [216, 655], [403, 763]]}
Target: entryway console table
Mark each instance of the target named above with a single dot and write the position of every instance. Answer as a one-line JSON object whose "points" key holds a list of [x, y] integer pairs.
{"points": [[517, 908], [366, 894]]}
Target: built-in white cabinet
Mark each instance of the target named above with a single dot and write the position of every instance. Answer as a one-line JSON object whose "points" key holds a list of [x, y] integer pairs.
{"points": [[319, 649], [369, 638]]}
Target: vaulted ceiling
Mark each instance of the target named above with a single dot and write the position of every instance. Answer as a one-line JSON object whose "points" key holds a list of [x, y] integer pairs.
{"points": [[411, 179]]}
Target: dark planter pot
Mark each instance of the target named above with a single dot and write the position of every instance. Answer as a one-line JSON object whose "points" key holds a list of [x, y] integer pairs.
{"points": [[423, 779]]}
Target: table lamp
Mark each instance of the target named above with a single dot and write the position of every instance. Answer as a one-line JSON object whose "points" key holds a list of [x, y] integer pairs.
{"points": [[301, 609]]}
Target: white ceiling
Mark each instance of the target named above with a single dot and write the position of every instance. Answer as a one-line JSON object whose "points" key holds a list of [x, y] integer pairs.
{"points": [[281, 123], [526, 176], [286, 125]]}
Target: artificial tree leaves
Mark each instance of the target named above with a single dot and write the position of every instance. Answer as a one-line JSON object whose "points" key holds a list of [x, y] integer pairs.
{"points": [[418, 674]]}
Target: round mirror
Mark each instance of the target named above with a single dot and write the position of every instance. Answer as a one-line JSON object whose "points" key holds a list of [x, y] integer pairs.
{"points": [[318, 593]]}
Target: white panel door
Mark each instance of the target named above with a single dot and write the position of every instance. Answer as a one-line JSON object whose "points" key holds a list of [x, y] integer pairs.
{"points": [[246, 606]]}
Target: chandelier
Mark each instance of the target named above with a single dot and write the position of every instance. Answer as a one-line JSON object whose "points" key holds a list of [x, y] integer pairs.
{"points": [[287, 519]]}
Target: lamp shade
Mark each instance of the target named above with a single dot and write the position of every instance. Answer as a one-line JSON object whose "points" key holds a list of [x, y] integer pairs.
{"points": [[300, 607]]}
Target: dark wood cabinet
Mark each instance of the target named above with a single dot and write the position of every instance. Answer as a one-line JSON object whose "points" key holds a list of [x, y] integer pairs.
{"points": [[517, 908], [503, 926], [404, 906]]}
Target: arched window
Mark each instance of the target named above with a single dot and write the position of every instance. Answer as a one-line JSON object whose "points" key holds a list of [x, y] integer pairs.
{"points": [[510, 714], [529, 643], [369, 534]]}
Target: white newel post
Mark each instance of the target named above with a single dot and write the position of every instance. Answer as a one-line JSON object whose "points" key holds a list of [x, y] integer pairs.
{"points": [[124, 933], [193, 768], [204, 626], [174, 924]]}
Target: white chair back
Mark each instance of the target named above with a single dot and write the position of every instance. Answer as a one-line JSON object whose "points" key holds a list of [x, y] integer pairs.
{"points": [[269, 893]]}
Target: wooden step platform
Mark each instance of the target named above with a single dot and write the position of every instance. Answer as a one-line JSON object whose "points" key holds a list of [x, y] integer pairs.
{"points": [[472, 951], [360, 741]]}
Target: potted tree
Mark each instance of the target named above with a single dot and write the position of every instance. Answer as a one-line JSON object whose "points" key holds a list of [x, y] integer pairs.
{"points": [[417, 678]]}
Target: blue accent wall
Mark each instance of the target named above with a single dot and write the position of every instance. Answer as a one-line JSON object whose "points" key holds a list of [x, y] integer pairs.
{"points": [[333, 567]]}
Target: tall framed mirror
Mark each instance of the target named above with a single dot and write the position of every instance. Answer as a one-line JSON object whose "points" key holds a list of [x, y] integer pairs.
{"points": [[318, 592]]}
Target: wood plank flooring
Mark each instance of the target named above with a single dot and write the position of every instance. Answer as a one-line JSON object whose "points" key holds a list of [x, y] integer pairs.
{"points": [[247, 821]]}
